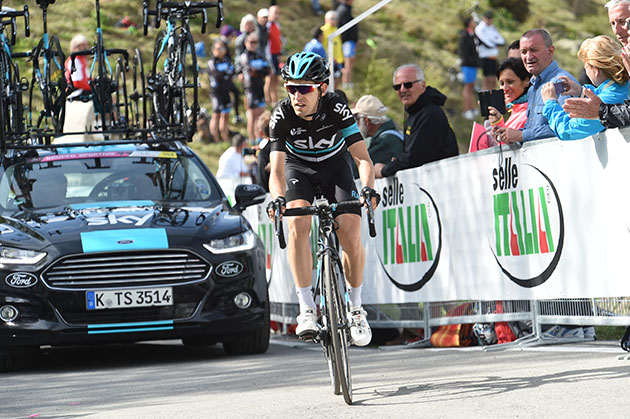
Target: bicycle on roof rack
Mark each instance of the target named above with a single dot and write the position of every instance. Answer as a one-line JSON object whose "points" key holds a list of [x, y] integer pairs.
{"points": [[173, 82], [11, 85], [48, 83], [109, 86], [334, 304]]}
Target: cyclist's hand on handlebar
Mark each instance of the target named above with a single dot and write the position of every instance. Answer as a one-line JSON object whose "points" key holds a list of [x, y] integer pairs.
{"points": [[369, 194], [276, 206]]}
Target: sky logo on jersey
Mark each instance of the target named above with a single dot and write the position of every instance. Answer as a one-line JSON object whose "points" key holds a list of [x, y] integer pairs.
{"points": [[528, 223], [411, 235]]}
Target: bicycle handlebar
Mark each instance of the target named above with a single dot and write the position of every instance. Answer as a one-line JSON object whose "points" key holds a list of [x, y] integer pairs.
{"points": [[190, 9], [316, 210]]}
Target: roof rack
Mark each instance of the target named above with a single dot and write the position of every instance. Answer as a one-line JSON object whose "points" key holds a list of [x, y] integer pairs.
{"points": [[45, 139]]}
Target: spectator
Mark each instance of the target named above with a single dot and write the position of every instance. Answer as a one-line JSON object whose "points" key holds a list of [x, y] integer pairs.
{"points": [[231, 163], [384, 141], [203, 126], [330, 26], [428, 133], [489, 39], [228, 34], [514, 50], [248, 25], [274, 50], [514, 80], [604, 66], [315, 45], [470, 62], [262, 17], [79, 80], [537, 54], [220, 71], [317, 8], [264, 150], [349, 39], [252, 68], [590, 107]]}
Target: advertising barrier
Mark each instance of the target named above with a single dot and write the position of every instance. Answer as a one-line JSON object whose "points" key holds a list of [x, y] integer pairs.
{"points": [[548, 220]]}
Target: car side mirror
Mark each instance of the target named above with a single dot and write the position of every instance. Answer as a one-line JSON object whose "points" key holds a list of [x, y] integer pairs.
{"points": [[248, 195]]}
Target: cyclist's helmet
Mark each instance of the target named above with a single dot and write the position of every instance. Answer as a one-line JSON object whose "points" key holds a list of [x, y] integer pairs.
{"points": [[306, 66]]}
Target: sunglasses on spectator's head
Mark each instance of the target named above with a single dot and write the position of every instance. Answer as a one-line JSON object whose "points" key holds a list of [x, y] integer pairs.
{"points": [[302, 88], [407, 85]]}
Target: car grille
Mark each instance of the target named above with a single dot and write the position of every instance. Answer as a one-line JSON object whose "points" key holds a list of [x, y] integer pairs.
{"points": [[128, 269]]}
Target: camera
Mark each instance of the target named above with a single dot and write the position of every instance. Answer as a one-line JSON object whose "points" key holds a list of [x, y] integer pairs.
{"points": [[559, 86], [249, 151]]}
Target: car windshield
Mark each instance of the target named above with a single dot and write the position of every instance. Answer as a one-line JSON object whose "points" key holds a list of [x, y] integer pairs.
{"points": [[74, 178]]}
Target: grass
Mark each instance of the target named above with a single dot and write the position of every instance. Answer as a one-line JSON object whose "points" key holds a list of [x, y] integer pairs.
{"points": [[425, 32]]}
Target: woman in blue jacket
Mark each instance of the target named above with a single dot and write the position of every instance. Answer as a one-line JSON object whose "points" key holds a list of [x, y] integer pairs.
{"points": [[603, 64]]}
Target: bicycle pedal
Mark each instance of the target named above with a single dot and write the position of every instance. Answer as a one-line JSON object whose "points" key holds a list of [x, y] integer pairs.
{"points": [[309, 336]]}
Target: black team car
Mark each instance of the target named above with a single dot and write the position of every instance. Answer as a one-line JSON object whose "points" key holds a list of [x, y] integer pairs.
{"points": [[123, 243]]}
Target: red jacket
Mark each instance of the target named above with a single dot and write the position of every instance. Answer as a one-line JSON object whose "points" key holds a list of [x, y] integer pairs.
{"points": [[80, 77]]}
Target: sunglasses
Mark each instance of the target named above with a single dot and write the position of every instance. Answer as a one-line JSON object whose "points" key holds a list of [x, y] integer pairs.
{"points": [[407, 85], [302, 88]]}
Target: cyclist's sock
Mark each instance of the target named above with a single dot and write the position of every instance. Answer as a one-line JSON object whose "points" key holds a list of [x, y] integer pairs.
{"points": [[305, 298], [355, 295]]}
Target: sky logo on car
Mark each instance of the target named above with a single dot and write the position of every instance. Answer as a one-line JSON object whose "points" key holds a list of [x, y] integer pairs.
{"points": [[124, 239]]}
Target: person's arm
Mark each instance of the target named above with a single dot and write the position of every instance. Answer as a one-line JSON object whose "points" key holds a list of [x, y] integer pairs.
{"points": [[567, 128], [277, 181], [361, 157]]}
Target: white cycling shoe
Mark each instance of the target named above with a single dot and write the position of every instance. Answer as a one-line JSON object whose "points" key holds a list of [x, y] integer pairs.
{"points": [[359, 328], [307, 323]]}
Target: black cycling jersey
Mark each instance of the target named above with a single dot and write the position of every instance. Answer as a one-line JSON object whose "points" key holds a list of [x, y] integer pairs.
{"points": [[325, 138], [220, 72]]}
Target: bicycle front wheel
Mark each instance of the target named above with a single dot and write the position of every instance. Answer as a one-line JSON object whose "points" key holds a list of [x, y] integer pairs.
{"points": [[339, 327]]}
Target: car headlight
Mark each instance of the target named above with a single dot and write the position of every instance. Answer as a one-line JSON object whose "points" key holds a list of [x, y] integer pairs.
{"points": [[235, 243], [13, 256]]}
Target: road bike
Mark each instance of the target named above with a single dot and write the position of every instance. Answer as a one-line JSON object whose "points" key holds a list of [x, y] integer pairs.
{"points": [[11, 85], [173, 83], [330, 287], [48, 83], [108, 86]]}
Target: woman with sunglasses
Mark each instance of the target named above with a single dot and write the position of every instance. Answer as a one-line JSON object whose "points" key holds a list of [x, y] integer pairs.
{"points": [[310, 132]]}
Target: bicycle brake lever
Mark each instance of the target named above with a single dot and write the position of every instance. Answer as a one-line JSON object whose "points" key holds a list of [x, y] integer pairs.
{"points": [[204, 20], [219, 13], [27, 22]]}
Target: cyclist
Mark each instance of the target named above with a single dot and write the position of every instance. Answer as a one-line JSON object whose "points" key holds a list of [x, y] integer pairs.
{"points": [[310, 132]]}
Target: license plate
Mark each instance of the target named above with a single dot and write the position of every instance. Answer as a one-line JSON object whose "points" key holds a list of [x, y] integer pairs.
{"points": [[147, 297]]}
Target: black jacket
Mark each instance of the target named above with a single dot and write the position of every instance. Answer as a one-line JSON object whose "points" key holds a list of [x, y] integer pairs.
{"points": [[344, 15], [467, 49], [615, 116], [428, 134]]}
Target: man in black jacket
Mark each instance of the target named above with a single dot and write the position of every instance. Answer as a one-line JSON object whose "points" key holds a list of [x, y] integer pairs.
{"points": [[428, 133]]}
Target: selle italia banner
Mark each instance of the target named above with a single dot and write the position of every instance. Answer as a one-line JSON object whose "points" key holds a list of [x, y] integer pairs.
{"points": [[550, 219]]}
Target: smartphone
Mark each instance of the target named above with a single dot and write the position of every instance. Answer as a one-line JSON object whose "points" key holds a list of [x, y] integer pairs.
{"points": [[492, 98], [559, 85]]}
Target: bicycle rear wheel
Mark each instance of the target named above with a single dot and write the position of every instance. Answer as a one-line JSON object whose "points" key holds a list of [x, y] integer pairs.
{"points": [[55, 94], [339, 327], [186, 106], [137, 97], [120, 107]]}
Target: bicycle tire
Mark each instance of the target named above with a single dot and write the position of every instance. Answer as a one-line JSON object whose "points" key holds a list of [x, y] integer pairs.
{"points": [[55, 89], [137, 97], [16, 117], [120, 107], [157, 85], [338, 325], [187, 99], [329, 353]]}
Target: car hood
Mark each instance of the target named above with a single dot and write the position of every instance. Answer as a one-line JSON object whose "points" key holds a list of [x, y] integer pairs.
{"points": [[131, 225]]}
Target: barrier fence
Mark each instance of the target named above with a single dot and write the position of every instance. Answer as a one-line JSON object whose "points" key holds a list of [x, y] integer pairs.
{"points": [[543, 228]]}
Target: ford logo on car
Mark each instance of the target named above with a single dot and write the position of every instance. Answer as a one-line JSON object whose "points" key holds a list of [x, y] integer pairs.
{"points": [[20, 280], [229, 269]]}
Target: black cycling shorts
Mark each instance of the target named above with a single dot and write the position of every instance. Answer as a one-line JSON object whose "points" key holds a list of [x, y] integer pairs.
{"points": [[335, 180]]}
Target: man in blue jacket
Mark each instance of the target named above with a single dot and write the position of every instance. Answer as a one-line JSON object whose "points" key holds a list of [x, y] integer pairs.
{"points": [[537, 54]]}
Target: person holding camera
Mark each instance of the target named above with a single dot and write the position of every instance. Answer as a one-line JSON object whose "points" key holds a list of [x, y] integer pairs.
{"points": [[514, 80], [604, 66], [537, 54]]}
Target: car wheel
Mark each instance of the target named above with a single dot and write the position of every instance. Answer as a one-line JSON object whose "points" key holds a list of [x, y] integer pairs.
{"points": [[14, 358], [255, 342]]}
